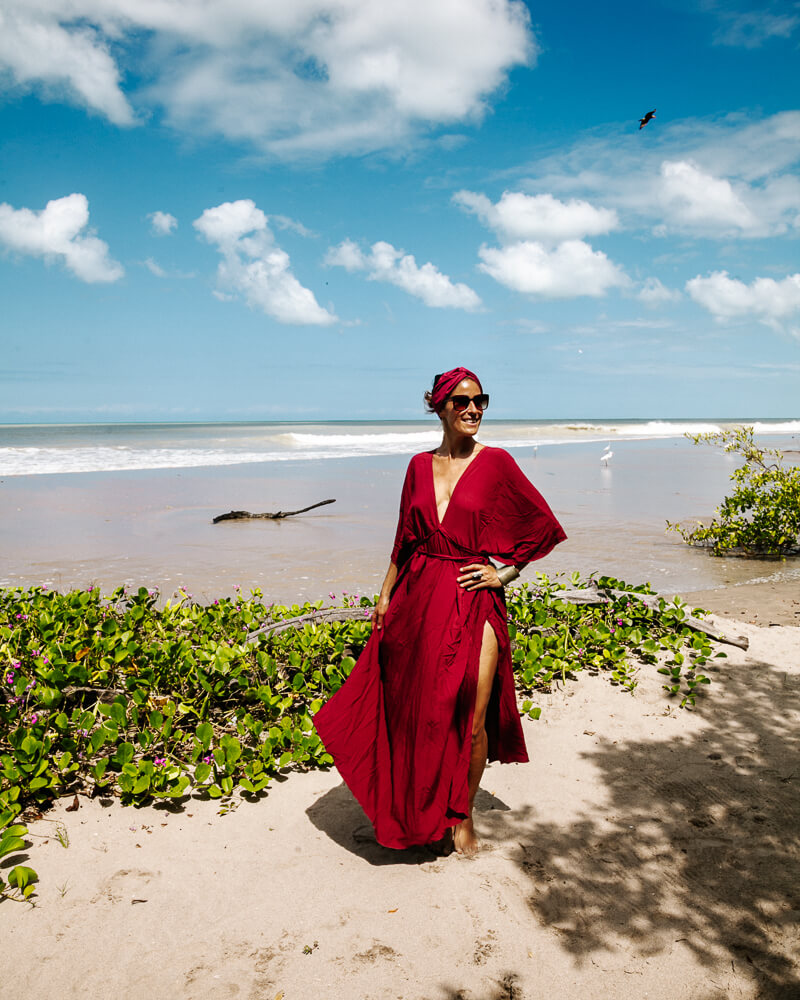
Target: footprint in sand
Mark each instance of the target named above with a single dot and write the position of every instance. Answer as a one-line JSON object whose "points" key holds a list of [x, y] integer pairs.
{"points": [[126, 886], [377, 953], [484, 948], [204, 983]]}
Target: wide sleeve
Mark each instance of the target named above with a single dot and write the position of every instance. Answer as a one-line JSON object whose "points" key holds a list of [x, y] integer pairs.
{"points": [[519, 525], [405, 536]]}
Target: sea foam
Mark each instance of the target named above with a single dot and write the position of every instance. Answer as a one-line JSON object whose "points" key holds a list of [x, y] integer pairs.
{"points": [[52, 450]]}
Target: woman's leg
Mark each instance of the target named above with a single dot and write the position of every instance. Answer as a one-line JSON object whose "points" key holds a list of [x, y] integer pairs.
{"points": [[464, 834]]}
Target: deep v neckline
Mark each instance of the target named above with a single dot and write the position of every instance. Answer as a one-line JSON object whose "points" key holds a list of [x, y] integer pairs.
{"points": [[473, 460]]}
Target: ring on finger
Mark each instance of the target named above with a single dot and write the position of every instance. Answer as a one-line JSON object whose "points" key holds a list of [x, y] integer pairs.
{"points": [[477, 574]]}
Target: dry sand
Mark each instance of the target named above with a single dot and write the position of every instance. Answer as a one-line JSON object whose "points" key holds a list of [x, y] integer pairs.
{"points": [[646, 852]]}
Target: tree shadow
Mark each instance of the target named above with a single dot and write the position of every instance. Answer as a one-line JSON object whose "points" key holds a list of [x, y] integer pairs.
{"points": [[338, 815], [698, 847]]}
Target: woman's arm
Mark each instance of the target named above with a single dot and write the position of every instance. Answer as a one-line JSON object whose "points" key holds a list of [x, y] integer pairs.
{"points": [[385, 594]]}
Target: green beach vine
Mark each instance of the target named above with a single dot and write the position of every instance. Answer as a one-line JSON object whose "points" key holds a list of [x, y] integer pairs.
{"points": [[118, 696]]}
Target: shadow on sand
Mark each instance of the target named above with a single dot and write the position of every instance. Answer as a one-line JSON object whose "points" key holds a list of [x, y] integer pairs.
{"points": [[698, 847], [338, 815]]}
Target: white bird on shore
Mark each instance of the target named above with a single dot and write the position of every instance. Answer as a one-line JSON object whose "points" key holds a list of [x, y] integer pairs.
{"points": [[607, 454]]}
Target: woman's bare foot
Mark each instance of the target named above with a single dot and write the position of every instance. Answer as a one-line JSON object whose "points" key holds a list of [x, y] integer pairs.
{"points": [[466, 842], [444, 845]]}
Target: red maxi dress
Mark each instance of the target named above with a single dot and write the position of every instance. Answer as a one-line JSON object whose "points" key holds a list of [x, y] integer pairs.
{"points": [[400, 727]]}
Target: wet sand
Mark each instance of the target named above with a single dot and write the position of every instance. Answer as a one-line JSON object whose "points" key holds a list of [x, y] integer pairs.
{"points": [[770, 603], [154, 528]]}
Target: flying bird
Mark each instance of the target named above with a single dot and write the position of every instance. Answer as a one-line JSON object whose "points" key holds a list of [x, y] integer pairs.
{"points": [[647, 118]]}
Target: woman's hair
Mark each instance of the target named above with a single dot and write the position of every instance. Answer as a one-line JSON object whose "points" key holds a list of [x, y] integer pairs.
{"points": [[443, 384], [428, 396]]}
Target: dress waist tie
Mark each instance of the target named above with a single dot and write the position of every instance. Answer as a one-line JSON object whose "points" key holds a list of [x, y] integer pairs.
{"points": [[461, 557]]}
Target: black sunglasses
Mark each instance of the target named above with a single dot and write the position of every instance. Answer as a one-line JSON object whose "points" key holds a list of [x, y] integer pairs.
{"points": [[460, 403]]}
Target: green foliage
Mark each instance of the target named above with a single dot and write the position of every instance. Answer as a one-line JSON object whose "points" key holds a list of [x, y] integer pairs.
{"points": [[117, 696], [554, 639], [761, 517], [18, 882]]}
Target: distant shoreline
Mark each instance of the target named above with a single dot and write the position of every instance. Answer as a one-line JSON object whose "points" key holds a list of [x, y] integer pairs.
{"points": [[45, 449], [315, 421]]}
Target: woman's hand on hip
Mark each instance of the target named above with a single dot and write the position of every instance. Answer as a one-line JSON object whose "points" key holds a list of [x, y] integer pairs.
{"points": [[478, 576]]}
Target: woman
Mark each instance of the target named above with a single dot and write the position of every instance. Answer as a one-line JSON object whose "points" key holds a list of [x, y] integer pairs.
{"points": [[432, 695]]}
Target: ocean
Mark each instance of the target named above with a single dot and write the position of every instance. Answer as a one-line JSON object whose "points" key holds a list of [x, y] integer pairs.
{"points": [[36, 449], [112, 504]]}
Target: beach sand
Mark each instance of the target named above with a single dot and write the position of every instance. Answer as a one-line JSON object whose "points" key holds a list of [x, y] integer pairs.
{"points": [[646, 851], [772, 602]]}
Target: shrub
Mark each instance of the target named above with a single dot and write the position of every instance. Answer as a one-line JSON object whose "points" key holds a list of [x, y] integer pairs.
{"points": [[761, 517]]}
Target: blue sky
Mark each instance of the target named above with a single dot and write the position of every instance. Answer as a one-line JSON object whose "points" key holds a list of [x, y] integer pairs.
{"points": [[238, 210]]}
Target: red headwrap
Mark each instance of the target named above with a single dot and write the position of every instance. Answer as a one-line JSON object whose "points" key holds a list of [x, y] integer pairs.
{"points": [[445, 384]]}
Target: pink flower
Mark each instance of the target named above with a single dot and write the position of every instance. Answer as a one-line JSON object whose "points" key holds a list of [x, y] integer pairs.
{"points": [[332, 595], [159, 761]]}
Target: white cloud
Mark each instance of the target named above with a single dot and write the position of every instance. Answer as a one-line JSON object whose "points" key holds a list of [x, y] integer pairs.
{"points": [[572, 269], [541, 217], [155, 268], [284, 222], [35, 48], [746, 167], [296, 79], [773, 303], [654, 293], [162, 223], [255, 268], [59, 232], [347, 255], [385, 263], [228, 224], [750, 29], [160, 272], [693, 197]]}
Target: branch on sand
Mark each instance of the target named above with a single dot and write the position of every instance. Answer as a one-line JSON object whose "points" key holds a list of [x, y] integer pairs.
{"points": [[244, 515]]}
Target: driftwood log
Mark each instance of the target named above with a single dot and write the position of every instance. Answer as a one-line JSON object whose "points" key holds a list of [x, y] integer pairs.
{"points": [[586, 595], [243, 515], [596, 595], [313, 618]]}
